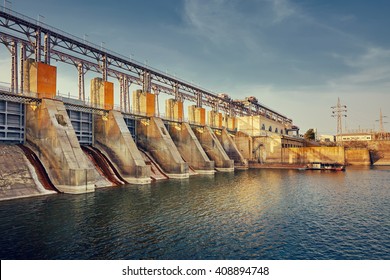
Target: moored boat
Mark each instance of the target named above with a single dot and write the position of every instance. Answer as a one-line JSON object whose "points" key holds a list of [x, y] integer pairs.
{"points": [[325, 166]]}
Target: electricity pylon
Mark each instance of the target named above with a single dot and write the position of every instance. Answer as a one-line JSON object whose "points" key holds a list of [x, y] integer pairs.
{"points": [[339, 111], [381, 122]]}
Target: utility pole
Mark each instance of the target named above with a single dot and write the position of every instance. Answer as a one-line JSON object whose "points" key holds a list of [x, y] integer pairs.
{"points": [[339, 111]]}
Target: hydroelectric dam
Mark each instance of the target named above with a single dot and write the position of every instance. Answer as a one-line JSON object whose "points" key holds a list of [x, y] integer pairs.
{"points": [[53, 143]]}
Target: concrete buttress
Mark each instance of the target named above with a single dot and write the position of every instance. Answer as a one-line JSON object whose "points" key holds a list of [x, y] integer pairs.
{"points": [[113, 138], [50, 133], [154, 138], [214, 149], [190, 148], [231, 149]]}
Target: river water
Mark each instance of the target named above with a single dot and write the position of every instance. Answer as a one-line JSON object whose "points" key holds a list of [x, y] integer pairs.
{"points": [[253, 214]]}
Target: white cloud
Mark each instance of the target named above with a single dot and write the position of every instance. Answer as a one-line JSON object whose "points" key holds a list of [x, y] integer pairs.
{"points": [[283, 9], [371, 66], [234, 21]]}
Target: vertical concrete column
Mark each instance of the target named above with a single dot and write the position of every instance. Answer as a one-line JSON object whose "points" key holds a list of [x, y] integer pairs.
{"points": [[102, 93], [214, 149], [214, 119], [190, 148], [155, 139], [40, 78], [244, 144], [231, 148], [196, 115], [113, 138], [174, 109], [50, 134], [144, 103], [251, 125], [230, 123]]}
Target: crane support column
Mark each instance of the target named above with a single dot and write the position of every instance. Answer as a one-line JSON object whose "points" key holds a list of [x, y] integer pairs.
{"points": [[22, 59], [38, 46], [80, 68], [14, 67], [47, 48]]}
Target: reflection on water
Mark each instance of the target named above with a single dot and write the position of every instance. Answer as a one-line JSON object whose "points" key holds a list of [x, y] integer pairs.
{"points": [[254, 214]]}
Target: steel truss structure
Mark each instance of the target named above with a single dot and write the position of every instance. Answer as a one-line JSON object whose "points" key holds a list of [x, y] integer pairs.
{"points": [[44, 43]]}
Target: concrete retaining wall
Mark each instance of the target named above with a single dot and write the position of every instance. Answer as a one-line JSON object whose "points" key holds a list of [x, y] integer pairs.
{"points": [[357, 157], [314, 154]]}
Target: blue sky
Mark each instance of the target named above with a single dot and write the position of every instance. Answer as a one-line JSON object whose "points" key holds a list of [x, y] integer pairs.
{"points": [[295, 56]]}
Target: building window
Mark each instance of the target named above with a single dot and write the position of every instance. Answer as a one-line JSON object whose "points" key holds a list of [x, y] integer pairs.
{"points": [[263, 127], [270, 128], [276, 130]]}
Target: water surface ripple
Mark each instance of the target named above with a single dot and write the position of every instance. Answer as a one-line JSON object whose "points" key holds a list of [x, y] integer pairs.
{"points": [[254, 214]]}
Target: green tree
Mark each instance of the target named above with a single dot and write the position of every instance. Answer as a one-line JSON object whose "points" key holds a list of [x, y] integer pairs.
{"points": [[310, 134]]}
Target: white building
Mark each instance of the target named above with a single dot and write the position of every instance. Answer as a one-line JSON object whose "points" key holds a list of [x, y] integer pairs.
{"points": [[354, 137], [326, 138]]}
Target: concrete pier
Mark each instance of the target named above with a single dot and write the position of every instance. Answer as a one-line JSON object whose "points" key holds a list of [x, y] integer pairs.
{"points": [[214, 149], [51, 135], [40, 78], [144, 103], [214, 119], [196, 115], [102, 93], [154, 138], [112, 137], [174, 110], [230, 123], [231, 149], [190, 148]]}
